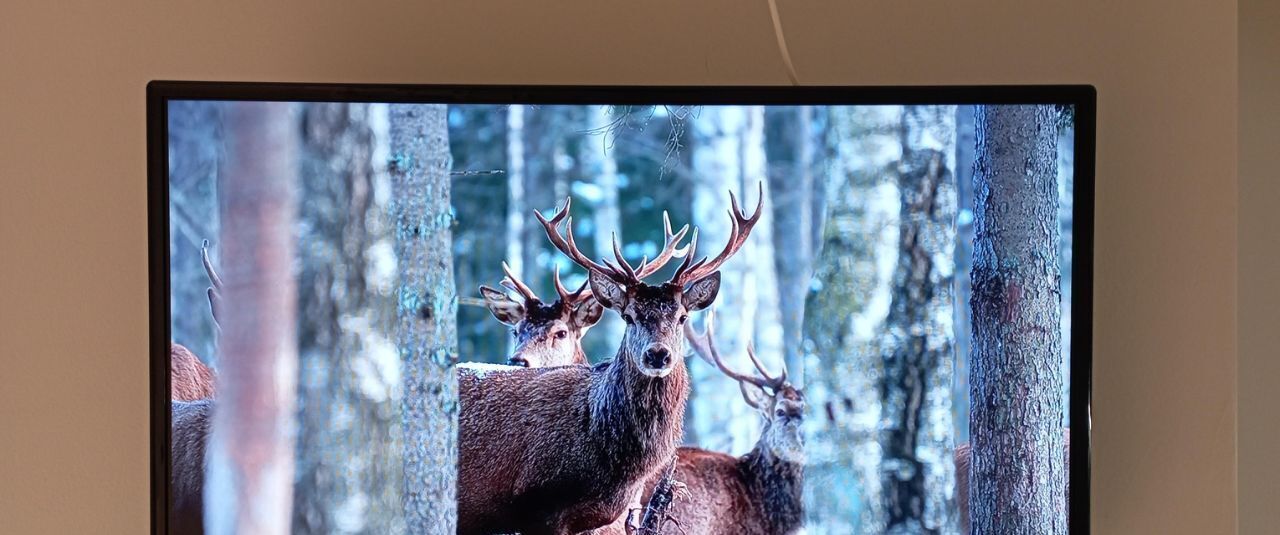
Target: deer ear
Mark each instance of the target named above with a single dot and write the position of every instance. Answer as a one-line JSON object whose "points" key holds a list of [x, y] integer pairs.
{"points": [[609, 293], [587, 314], [701, 293], [503, 307]]}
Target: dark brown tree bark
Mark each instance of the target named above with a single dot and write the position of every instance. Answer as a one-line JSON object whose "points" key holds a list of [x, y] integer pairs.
{"points": [[915, 344], [1017, 474], [348, 435], [250, 480], [426, 310]]}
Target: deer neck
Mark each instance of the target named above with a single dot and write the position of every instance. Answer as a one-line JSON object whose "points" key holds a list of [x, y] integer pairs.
{"points": [[634, 416], [778, 487]]}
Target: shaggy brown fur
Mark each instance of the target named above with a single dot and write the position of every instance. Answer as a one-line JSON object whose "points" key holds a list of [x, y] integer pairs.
{"points": [[188, 439], [189, 379], [755, 494], [964, 458], [542, 454]]}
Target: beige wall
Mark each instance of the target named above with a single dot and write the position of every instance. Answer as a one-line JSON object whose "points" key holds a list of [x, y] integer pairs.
{"points": [[73, 308], [1259, 266]]}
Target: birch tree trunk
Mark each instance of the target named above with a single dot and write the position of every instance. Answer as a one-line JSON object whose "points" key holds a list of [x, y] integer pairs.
{"points": [[791, 184], [962, 326], [1017, 475], [349, 453], [517, 211], [426, 311], [843, 317], [728, 154], [250, 474], [601, 168], [917, 340]]}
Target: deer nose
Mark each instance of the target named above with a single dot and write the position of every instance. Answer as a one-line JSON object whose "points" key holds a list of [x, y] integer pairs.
{"points": [[518, 361], [657, 357]]}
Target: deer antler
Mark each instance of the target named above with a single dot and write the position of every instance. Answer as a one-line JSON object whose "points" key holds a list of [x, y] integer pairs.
{"points": [[513, 282], [704, 346], [580, 295], [620, 272], [742, 225], [215, 291]]}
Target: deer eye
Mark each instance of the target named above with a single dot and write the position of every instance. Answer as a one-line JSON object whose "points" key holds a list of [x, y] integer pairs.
{"points": [[560, 335], [780, 413], [628, 319], [684, 318]]}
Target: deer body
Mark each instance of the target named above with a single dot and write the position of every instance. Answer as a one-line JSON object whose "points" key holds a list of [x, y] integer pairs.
{"points": [[756, 494], [760, 493], [189, 379], [568, 449], [603, 441], [189, 436]]}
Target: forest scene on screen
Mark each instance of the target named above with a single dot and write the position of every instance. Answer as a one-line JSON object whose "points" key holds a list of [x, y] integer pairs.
{"points": [[556, 319]]}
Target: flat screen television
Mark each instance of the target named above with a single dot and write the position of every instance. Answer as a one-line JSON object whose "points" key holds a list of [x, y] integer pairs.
{"points": [[489, 309]]}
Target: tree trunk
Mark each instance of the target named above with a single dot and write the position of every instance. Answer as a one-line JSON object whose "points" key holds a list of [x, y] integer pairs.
{"points": [[791, 184], [1017, 475], [517, 210], [916, 344], [545, 187], [251, 462], [427, 311], [348, 447], [962, 325], [841, 319], [601, 168], [728, 155]]}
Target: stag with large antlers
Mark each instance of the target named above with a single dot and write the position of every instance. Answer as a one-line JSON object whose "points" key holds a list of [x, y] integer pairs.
{"points": [[760, 492], [568, 449], [550, 333]]}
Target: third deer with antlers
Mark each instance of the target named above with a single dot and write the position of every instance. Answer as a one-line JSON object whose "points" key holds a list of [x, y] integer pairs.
{"points": [[568, 449]]}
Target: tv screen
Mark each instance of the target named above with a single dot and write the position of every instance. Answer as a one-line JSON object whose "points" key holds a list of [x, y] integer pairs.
{"points": [[620, 310]]}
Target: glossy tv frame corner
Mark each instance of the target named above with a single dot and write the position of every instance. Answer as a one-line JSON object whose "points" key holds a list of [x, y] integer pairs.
{"points": [[557, 309]]}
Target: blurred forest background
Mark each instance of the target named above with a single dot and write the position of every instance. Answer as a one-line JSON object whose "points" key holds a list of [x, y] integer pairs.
{"points": [[857, 199]]}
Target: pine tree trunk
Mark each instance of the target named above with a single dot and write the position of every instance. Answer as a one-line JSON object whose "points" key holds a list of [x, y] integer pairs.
{"points": [[792, 189], [348, 447], [917, 346], [1017, 475], [427, 311], [251, 463]]}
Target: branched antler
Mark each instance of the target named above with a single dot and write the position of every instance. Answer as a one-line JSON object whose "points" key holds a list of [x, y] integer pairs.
{"points": [[742, 224], [705, 347], [619, 271], [214, 292]]}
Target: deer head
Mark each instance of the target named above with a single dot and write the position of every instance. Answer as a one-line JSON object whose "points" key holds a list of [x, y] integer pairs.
{"points": [[776, 399], [550, 334], [654, 314], [547, 334]]}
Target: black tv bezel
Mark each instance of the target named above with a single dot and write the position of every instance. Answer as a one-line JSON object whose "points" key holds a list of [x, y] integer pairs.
{"points": [[1082, 97]]}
